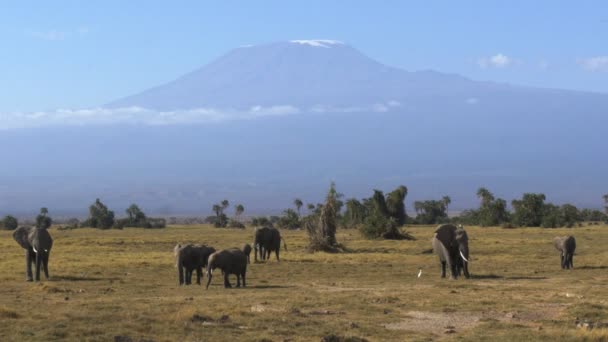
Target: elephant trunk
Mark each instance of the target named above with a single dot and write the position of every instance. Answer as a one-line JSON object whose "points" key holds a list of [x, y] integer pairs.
{"points": [[209, 275]]}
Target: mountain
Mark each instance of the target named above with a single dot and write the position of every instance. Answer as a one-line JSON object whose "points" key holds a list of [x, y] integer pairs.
{"points": [[302, 73], [344, 117]]}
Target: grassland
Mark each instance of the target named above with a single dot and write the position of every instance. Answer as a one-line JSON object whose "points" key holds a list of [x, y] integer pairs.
{"points": [[123, 283]]}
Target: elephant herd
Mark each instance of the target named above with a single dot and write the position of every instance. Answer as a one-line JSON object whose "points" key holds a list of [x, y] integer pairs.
{"points": [[190, 258], [450, 243]]}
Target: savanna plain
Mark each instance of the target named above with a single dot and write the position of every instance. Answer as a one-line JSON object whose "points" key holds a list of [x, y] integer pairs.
{"points": [[122, 284]]}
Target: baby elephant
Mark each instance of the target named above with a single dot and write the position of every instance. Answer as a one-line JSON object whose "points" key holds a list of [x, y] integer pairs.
{"points": [[566, 246], [230, 261], [189, 258], [247, 250]]}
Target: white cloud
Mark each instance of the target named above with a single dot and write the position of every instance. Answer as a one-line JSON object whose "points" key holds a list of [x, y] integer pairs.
{"points": [[58, 35], [598, 63], [496, 61], [143, 116], [472, 101]]}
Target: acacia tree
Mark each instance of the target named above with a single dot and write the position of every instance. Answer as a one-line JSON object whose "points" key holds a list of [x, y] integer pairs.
{"points": [[298, 203], [136, 215], [220, 218]]}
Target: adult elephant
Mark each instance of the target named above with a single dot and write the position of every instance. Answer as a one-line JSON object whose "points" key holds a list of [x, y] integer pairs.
{"points": [[566, 246], [230, 261], [37, 243], [189, 258], [451, 244], [266, 241]]}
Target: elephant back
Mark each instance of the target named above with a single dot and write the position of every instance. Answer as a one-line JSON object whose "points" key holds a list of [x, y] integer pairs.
{"points": [[21, 235], [446, 234]]}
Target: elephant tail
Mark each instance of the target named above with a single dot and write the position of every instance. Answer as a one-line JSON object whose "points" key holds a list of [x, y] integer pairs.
{"points": [[284, 243]]}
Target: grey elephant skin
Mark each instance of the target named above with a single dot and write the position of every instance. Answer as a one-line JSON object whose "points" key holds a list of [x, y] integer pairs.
{"points": [[266, 241], [451, 244], [189, 258], [230, 261], [566, 245], [37, 243], [247, 250]]}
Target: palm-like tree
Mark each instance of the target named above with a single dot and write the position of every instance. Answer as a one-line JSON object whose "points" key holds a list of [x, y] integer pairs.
{"points": [[485, 195], [446, 201], [238, 210], [298, 203]]}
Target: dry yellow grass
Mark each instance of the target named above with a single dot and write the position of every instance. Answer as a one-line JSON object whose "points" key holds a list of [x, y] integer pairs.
{"points": [[110, 283]]}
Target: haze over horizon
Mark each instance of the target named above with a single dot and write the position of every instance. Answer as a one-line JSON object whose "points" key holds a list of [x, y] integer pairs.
{"points": [[440, 104]]}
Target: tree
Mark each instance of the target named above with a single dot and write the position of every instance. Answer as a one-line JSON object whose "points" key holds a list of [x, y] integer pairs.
{"points": [[298, 203], [485, 195], [221, 220], [380, 221], [136, 217], [99, 216], [310, 207], [606, 203], [289, 220], [528, 212], [10, 222], [446, 201], [395, 204], [355, 213], [431, 212], [321, 227], [238, 211], [43, 221]]}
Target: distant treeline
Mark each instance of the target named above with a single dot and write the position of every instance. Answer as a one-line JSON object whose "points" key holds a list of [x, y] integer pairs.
{"points": [[380, 215]]}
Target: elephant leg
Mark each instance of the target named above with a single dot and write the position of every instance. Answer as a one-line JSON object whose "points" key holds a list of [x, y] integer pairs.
{"points": [[226, 281], [188, 276], [244, 276], [454, 270], [38, 264], [45, 264], [572, 261], [443, 269], [180, 274], [466, 270], [238, 280], [277, 254], [199, 274], [29, 258]]}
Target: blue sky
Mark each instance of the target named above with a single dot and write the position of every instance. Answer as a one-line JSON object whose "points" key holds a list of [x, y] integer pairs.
{"points": [[77, 54]]}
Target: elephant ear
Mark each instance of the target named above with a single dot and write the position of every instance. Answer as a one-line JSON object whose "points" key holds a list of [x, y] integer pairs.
{"points": [[446, 234], [21, 236]]}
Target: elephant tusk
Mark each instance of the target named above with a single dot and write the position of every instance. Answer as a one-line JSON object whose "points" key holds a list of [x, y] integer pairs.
{"points": [[462, 255], [34, 248]]}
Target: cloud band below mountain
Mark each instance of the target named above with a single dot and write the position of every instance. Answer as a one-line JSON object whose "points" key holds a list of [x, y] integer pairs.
{"points": [[143, 116]]}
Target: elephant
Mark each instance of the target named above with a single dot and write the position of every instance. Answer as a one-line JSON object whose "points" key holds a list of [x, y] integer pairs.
{"points": [[37, 243], [566, 246], [267, 240], [247, 250], [230, 261], [451, 244], [189, 258]]}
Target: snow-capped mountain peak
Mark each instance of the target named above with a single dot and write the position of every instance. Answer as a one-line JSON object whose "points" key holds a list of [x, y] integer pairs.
{"points": [[325, 43]]}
